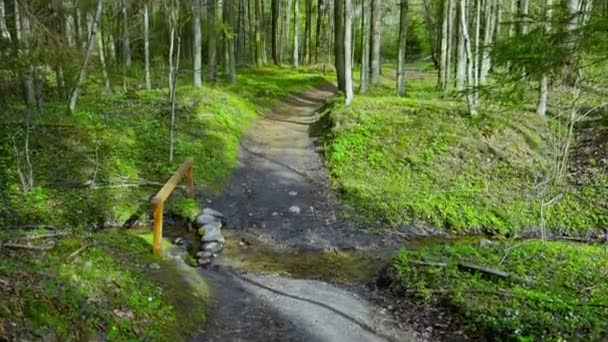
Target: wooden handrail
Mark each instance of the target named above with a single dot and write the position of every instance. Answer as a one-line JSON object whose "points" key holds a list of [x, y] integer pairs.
{"points": [[159, 200]]}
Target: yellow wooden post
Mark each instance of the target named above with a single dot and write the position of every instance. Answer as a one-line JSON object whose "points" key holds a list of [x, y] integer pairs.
{"points": [[157, 233], [190, 180]]}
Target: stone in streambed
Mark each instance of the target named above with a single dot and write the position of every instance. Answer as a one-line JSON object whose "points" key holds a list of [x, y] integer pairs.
{"points": [[295, 210], [204, 255], [204, 261], [215, 213], [212, 235], [206, 219], [213, 247]]}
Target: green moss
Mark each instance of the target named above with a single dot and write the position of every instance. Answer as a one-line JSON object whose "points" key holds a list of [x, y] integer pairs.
{"points": [[421, 160], [106, 289], [556, 290]]}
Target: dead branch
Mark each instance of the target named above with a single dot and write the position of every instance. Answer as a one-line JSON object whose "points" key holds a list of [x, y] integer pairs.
{"points": [[29, 247], [429, 263], [41, 236], [31, 226], [471, 268], [79, 250]]}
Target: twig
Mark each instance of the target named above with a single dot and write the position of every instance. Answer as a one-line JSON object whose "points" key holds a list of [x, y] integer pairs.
{"points": [[19, 246], [30, 226], [429, 263], [79, 250], [486, 270], [41, 236], [508, 251]]}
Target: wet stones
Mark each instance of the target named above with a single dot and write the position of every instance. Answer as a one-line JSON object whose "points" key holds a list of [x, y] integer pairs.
{"points": [[209, 227]]}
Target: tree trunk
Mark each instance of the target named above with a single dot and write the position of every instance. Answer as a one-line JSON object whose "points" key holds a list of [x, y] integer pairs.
{"points": [[147, 47], [487, 41], [212, 42], [376, 21], [541, 108], [102, 58], [365, 40], [443, 69], [197, 41], [307, 27], [402, 48], [452, 32], [460, 61], [231, 42], [259, 44], [348, 67], [296, 52], [287, 29], [240, 46], [173, 69], [513, 24], [275, 27], [339, 43], [476, 65], [4, 32], [471, 97], [319, 28], [83, 69], [126, 37]]}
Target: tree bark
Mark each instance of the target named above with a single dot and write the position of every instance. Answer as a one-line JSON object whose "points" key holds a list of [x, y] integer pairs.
{"points": [[173, 69], [146, 19], [287, 29], [102, 58], [376, 21], [348, 68], [365, 41], [231, 42], [241, 37], [126, 36], [197, 41], [443, 69], [460, 61], [83, 69], [541, 108], [402, 48], [212, 42], [259, 44], [4, 32], [275, 26], [307, 28], [296, 52], [319, 28], [487, 41], [471, 97], [476, 65], [339, 43]]}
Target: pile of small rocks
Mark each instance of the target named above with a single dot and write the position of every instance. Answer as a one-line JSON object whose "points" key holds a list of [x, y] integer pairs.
{"points": [[212, 241]]}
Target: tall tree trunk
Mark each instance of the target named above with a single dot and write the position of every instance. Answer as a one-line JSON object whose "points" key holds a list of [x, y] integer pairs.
{"points": [[83, 69], [460, 61], [259, 44], [452, 32], [443, 70], [339, 43], [307, 27], [197, 42], [402, 48], [487, 41], [4, 32], [513, 23], [231, 41], [471, 97], [22, 48], [365, 40], [296, 52], [240, 46], [376, 22], [348, 43], [126, 36], [175, 44], [212, 43], [275, 26], [102, 58], [147, 47], [287, 29], [319, 27], [541, 108], [476, 64]]}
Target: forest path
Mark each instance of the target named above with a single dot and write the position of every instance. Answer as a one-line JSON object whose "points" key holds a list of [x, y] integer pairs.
{"points": [[280, 193]]}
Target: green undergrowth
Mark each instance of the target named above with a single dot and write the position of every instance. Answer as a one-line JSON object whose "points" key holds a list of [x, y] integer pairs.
{"points": [[101, 165], [97, 286], [556, 291], [421, 160]]}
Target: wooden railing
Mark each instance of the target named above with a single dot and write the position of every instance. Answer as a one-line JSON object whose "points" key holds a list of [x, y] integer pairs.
{"points": [[159, 200]]}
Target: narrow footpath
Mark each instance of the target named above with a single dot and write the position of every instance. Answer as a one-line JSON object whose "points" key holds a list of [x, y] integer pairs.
{"points": [[280, 194]]}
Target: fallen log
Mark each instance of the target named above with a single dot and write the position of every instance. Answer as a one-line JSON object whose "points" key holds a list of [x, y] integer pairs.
{"points": [[471, 268]]}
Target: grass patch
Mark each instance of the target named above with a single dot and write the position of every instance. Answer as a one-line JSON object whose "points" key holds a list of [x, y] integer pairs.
{"points": [[421, 160], [99, 167], [106, 291], [559, 291]]}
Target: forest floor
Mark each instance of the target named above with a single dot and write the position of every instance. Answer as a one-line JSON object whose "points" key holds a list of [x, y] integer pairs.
{"points": [[279, 204]]}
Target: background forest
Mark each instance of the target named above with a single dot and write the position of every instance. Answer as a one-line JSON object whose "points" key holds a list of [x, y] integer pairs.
{"points": [[453, 117]]}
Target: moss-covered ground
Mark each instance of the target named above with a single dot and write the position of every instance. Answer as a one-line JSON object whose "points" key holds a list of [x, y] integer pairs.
{"points": [[95, 286], [422, 160], [556, 291]]}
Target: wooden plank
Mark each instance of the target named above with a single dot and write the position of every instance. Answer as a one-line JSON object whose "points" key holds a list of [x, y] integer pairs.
{"points": [[165, 191], [157, 231]]}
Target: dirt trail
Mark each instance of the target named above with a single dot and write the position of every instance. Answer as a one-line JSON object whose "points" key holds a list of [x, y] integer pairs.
{"points": [[280, 193]]}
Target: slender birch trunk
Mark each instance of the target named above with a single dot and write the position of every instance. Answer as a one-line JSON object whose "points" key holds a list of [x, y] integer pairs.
{"points": [[541, 108], [212, 42], [477, 66], [146, 19], [319, 27], [4, 32], [443, 69], [126, 36], [402, 48], [174, 57], [348, 43], [376, 21], [197, 54], [340, 56], [487, 42], [102, 58], [231, 42], [83, 69], [365, 48], [460, 60], [471, 96]]}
